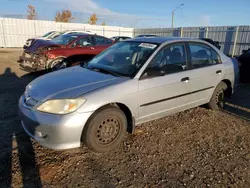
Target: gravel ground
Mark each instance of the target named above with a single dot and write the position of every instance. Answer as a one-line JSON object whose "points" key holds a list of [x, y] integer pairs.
{"points": [[195, 148]]}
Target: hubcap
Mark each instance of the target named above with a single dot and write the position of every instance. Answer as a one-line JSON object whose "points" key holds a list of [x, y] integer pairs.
{"points": [[108, 130], [60, 64], [220, 100]]}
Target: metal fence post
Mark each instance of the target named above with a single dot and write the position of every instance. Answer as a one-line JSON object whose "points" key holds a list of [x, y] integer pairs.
{"points": [[4, 39], [206, 35], [235, 40], [181, 31], [35, 28]]}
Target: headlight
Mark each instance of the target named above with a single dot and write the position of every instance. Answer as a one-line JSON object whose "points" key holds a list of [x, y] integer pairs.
{"points": [[61, 106]]}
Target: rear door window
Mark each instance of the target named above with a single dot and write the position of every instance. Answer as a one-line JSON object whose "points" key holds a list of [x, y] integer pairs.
{"points": [[203, 55], [100, 40]]}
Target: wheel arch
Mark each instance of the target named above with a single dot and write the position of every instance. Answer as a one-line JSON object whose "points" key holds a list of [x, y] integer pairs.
{"points": [[229, 89], [49, 62], [126, 110]]}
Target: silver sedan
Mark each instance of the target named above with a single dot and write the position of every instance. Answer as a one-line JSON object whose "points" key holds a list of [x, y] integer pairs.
{"points": [[131, 82]]}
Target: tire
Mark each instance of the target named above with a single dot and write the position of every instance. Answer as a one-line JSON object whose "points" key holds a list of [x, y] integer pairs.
{"points": [[105, 130], [57, 64], [217, 100]]}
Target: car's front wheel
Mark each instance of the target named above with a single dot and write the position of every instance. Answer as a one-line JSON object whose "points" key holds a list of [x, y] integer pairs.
{"points": [[217, 100], [58, 64], [105, 130]]}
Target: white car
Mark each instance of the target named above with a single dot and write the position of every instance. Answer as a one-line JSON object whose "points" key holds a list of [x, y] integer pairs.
{"points": [[53, 34]]}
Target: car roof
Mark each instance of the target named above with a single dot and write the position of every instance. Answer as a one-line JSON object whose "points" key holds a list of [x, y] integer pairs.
{"points": [[83, 34], [121, 36], [160, 40], [77, 34]]}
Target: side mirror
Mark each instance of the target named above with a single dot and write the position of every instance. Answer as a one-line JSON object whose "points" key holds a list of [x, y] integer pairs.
{"points": [[155, 71]]}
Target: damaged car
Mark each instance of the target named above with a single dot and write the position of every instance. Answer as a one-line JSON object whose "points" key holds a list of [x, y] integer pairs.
{"points": [[51, 35], [63, 51]]}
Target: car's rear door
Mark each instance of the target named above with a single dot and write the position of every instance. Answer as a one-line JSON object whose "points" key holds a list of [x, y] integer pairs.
{"points": [[206, 73], [162, 95], [101, 43]]}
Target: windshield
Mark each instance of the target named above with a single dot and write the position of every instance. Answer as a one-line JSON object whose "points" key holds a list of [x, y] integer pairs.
{"points": [[54, 35], [47, 34], [64, 39], [125, 58]]}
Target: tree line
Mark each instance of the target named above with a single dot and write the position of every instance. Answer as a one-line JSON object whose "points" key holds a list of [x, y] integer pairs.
{"points": [[61, 16]]}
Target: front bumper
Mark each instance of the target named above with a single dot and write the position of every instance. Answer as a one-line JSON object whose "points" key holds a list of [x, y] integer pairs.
{"points": [[51, 130], [32, 62]]}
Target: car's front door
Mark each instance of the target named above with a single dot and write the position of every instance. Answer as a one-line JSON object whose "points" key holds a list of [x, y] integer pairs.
{"points": [[162, 95], [83, 45], [206, 73]]}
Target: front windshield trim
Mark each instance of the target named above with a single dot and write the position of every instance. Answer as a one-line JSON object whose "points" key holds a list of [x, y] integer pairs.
{"points": [[126, 69]]}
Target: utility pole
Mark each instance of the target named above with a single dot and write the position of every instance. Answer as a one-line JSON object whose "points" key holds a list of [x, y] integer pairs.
{"points": [[173, 14], [172, 19]]}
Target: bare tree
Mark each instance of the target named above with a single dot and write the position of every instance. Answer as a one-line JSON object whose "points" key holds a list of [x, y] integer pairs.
{"points": [[93, 19], [31, 13], [64, 16]]}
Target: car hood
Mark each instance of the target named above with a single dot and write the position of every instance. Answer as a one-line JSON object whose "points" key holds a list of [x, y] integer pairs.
{"points": [[69, 83], [39, 43]]}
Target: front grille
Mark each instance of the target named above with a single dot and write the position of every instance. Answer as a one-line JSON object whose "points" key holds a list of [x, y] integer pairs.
{"points": [[30, 102]]}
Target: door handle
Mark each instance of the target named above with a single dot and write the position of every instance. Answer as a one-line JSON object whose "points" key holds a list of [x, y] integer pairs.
{"points": [[186, 79], [218, 72]]}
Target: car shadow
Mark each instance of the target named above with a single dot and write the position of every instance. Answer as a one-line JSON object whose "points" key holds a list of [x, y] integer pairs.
{"points": [[16, 147], [239, 103]]}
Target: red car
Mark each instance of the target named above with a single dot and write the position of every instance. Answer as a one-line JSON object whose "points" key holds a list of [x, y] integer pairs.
{"points": [[63, 51]]}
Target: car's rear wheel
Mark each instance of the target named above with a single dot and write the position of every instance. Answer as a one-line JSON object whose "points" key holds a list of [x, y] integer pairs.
{"points": [[105, 130], [217, 100], [58, 64]]}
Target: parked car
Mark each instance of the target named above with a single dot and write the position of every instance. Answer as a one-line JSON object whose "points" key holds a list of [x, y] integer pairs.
{"points": [[146, 35], [215, 43], [120, 38], [53, 34], [130, 83], [244, 60], [62, 51]]}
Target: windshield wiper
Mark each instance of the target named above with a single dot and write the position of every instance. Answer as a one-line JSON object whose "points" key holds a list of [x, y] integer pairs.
{"points": [[105, 71]]}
